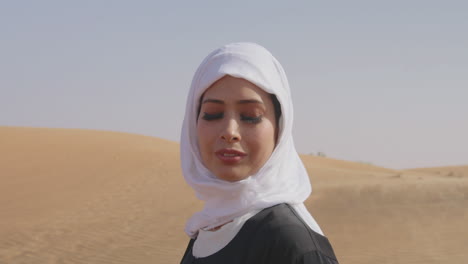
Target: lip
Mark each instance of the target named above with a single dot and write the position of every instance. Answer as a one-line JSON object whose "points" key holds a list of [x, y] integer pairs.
{"points": [[230, 160]]}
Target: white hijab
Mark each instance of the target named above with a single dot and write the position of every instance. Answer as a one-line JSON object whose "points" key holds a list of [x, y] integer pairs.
{"points": [[282, 179]]}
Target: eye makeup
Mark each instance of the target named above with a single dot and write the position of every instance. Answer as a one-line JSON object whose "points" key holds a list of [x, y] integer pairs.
{"points": [[210, 117], [247, 119], [252, 120]]}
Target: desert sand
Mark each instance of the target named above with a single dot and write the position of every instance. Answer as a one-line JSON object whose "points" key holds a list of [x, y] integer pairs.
{"points": [[83, 196]]}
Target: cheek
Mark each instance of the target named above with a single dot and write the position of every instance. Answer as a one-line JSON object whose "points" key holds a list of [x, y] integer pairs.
{"points": [[205, 136], [262, 139]]}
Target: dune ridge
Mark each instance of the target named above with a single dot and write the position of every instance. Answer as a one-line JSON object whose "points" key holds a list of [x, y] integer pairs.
{"points": [[84, 196]]}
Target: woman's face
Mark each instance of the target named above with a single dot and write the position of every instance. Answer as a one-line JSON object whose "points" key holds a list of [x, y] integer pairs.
{"points": [[236, 128]]}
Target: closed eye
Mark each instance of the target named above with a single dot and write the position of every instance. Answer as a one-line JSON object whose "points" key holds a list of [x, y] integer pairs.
{"points": [[253, 120], [209, 117], [247, 119]]}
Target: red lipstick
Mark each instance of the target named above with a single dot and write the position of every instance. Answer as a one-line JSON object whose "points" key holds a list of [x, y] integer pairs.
{"points": [[230, 156]]}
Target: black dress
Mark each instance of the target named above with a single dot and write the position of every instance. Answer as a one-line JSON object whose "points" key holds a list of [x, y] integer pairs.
{"points": [[274, 235]]}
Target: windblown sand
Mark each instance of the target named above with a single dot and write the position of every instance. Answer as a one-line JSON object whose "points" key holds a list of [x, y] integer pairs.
{"points": [[81, 196]]}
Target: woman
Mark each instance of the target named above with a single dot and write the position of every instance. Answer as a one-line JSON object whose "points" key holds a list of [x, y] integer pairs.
{"points": [[238, 154]]}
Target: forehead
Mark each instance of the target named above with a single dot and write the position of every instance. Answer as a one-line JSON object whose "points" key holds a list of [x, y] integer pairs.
{"points": [[231, 88]]}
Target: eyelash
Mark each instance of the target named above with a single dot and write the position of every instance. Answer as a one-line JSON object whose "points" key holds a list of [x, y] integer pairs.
{"points": [[210, 117], [252, 120]]}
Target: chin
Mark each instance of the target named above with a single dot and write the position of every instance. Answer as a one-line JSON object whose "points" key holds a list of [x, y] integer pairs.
{"points": [[231, 177]]}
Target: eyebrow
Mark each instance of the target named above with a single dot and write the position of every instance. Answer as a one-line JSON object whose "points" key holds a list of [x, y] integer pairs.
{"points": [[245, 101]]}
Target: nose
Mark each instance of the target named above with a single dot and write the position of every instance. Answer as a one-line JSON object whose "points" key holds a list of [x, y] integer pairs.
{"points": [[230, 131]]}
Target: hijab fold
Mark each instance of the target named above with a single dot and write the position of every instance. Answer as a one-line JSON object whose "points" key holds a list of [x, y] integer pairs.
{"points": [[282, 179]]}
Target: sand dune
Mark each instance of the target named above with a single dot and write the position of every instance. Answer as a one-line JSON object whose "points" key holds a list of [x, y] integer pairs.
{"points": [[449, 171], [82, 196]]}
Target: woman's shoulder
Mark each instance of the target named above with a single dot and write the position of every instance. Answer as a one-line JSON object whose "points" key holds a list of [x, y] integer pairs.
{"points": [[281, 219], [274, 235], [281, 229]]}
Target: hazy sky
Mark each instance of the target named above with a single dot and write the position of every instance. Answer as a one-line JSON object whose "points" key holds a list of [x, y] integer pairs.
{"points": [[384, 82]]}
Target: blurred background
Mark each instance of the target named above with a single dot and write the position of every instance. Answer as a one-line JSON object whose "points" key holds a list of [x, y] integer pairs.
{"points": [[380, 82]]}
